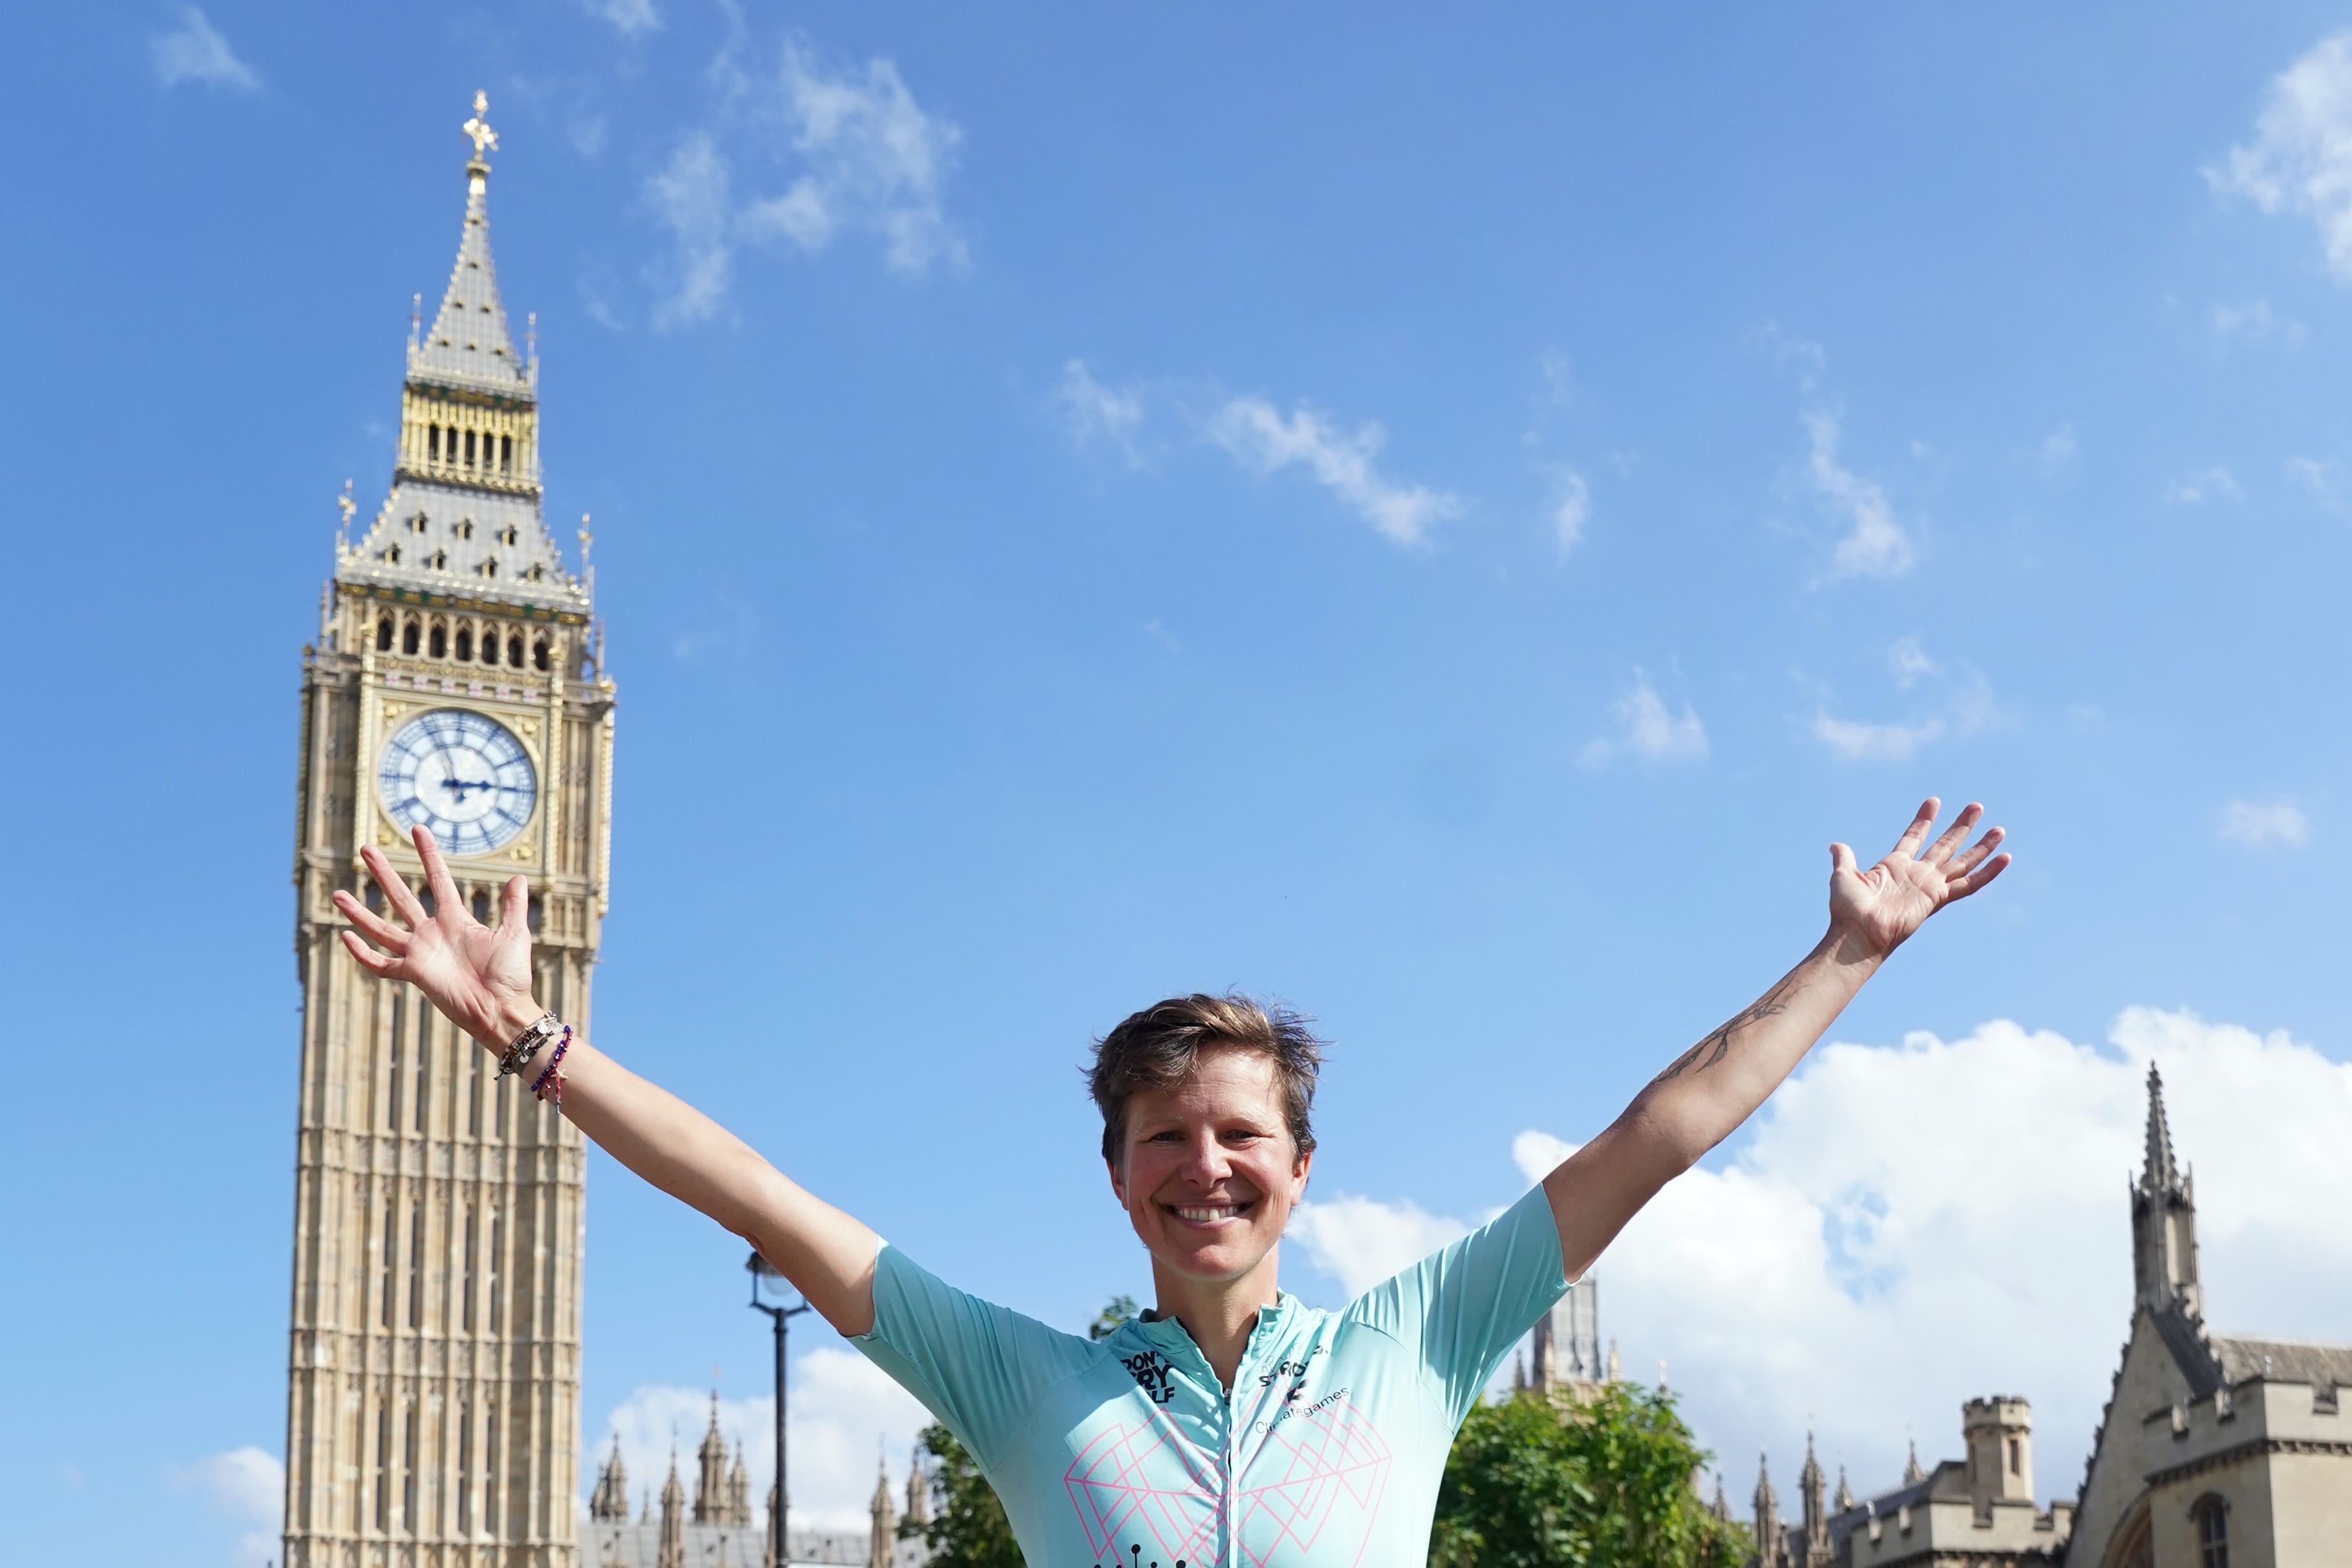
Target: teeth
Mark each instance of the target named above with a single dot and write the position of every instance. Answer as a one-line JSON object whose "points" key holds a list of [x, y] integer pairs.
{"points": [[1203, 1216]]}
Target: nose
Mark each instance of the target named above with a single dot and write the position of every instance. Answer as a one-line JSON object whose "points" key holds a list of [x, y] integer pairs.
{"points": [[1205, 1160]]}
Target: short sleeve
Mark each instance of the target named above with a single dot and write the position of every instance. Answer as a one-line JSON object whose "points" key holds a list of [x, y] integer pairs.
{"points": [[978, 1367], [1465, 1305]]}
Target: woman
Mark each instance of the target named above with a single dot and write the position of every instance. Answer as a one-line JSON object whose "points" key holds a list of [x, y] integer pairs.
{"points": [[1230, 1424]]}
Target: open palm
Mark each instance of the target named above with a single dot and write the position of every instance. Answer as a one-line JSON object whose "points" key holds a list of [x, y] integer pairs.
{"points": [[1883, 906], [478, 975]]}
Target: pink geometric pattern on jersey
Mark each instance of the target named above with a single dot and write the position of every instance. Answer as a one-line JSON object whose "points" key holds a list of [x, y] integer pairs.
{"points": [[1112, 1486], [1333, 1470]]}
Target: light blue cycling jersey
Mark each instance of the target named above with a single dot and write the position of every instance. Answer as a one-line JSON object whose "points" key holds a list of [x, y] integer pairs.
{"points": [[1327, 1454]]}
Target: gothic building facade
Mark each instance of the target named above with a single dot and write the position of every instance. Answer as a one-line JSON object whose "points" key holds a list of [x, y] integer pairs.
{"points": [[434, 1367], [718, 1529], [2214, 1451]]}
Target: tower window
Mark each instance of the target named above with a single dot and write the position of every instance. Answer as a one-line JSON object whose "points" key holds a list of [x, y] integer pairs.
{"points": [[510, 534], [2211, 1515], [418, 524], [463, 528], [432, 443], [2016, 1455], [438, 561], [382, 1467], [416, 1266], [490, 646], [506, 453], [514, 651], [490, 566], [383, 635], [536, 571], [440, 642], [408, 638], [469, 449], [465, 644], [538, 654], [482, 905], [392, 554]]}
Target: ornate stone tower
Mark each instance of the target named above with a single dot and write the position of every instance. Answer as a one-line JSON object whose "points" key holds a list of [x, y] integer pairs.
{"points": [[434, 1374]]}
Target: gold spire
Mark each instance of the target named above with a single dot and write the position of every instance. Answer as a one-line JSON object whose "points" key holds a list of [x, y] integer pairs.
{"points": [[485, 141]]}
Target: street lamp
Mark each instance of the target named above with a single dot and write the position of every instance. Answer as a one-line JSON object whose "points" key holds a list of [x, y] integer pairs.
{"points": [[774, 1294]]}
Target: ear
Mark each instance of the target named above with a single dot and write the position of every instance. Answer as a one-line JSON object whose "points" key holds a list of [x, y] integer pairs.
{"points": [[1305, 1167], [1117, 1182]]}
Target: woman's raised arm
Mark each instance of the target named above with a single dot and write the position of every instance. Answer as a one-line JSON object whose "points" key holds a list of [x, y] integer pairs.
{"points": [[1706, 1092], [480, 978]]}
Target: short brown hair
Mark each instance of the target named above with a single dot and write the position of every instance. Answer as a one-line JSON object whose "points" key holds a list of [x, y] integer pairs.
{"points": [[1160, 1046]]}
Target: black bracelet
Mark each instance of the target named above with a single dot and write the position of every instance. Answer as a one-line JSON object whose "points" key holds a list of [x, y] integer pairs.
{"points": [[526, 1044]]}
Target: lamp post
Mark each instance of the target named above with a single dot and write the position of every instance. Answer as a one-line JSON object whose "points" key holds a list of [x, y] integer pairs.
{"points": [[773, 1294]]}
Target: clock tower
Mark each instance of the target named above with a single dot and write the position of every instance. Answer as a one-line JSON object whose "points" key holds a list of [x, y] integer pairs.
{"points": [[433, 1379]]}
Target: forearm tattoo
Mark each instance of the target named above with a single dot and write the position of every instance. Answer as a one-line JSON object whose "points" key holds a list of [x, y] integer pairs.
{"points": [[1717, 1045]]}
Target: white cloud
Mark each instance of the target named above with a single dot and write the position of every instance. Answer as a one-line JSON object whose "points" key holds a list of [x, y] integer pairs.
{"points": [[867, 158], [2265, 824], [1859, 740], [1806, 358], [194, 51], [2214, 484], [1957, 703], [842, 1408], [1112, 414], [2057, 450], [1875, 543], [689, 196], [875, 159], [2321, 477], [1647, 728], [2254, 322], [1360, 1241], [628, 17], [1909, 663], [1911, 1225], [1261, 439], [1571, 511], [248, 1485], [2300, 158]]}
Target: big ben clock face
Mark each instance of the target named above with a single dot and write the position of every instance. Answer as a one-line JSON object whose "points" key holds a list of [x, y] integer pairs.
{"points": [[463, 775]]}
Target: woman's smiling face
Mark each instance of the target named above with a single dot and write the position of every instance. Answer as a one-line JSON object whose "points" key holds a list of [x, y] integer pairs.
{"points": [[1210, 1174]]}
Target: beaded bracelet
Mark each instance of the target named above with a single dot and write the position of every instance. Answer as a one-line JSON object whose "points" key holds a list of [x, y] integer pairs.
{"points": [[547, 1088]]}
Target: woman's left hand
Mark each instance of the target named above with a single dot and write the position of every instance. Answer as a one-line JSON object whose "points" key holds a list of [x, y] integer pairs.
{"points": [[1880, 907]]}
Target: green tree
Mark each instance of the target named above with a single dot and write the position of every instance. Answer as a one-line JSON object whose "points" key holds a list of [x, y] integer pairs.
{"points": [[1531, 1484], [967, 1528], [1118, 1311]]}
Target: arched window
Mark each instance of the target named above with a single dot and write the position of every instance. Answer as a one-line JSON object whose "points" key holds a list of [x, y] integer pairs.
{"points": [[433, 444], [392, 554], [438, 561], [490, 566], [464, 642], [482, 905], [408, 635], [514, 651], [469, 449], [2211, 1515], [440, 640], [463, 528], [383, 635], [506, 453], [538, 654]]}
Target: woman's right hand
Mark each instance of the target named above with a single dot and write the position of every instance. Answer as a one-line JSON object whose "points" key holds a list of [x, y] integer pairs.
{"points": [[478, 976]]}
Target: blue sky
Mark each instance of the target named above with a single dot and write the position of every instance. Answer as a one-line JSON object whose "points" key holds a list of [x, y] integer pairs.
{"points": [[1439, 518]]}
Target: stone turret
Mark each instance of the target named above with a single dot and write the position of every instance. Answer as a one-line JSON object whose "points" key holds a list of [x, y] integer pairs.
{"points": [[611, 1499], [711, 1501], [739, 1492], [1813, 1488], [882, 1545], [2164, 1220], [2000, 1433], [1770, 1548], [918, 1495], [672, 1551]]}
